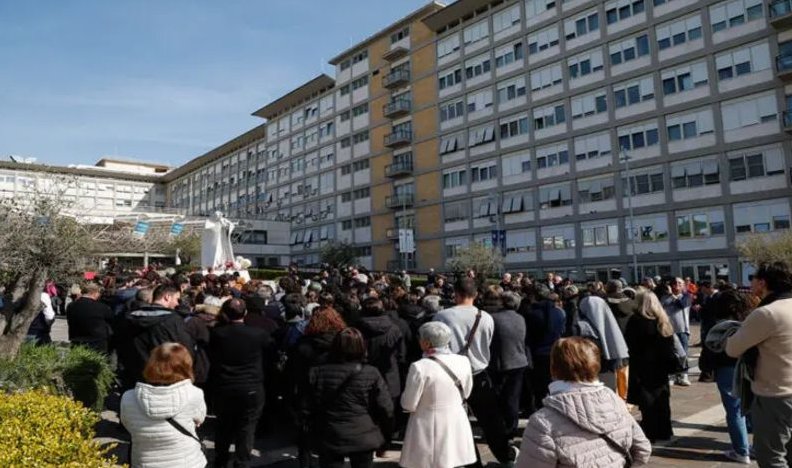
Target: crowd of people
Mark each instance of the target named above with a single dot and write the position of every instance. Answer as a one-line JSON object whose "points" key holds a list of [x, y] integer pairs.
{"points": [[356, 361]]}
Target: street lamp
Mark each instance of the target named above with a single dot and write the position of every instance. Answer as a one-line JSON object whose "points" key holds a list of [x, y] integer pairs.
{"points": [[624, 157]]}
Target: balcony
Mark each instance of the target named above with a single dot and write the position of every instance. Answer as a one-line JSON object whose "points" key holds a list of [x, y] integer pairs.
{"points": [[396, 78], [399, 169], [400, 201], [398, 138], [395, 53], [781, 13], [784, 66], [397, 108], [788, 121]]}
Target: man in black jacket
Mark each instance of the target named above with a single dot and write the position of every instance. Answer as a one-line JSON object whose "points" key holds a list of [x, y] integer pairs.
{"points": [[238, 355], [89, 320], [144, 329]]}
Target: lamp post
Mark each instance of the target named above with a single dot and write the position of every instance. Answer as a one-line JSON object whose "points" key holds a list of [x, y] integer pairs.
{"points": [[626, 159]]}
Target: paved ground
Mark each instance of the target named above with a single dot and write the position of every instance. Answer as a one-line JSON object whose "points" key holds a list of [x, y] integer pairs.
{"points": [[699, 427]]}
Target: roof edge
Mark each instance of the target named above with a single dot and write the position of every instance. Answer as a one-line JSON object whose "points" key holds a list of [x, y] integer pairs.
{"points": [[295, 96]]}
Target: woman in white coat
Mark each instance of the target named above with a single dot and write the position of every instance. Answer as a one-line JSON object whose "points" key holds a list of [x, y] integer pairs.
{"points": [[438, 434], [163, 413]]}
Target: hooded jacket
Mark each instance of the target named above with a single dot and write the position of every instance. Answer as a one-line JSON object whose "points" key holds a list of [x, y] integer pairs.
{"points": [[596, 312], [385, 347], [565, 432], [155, 443], [623, 308]]}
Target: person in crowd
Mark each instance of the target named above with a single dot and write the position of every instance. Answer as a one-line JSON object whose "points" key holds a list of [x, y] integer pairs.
{"points": [[438, 433], [472, 330], [238, 355], [583, 423], [768, 331], [348, 405], [705, 310], [729, 307], [506, 282], [90, 320], [143, 329], [545, 323], [39, 330], [162, 413], [649, 337], [615, 355], [508, 356], [622, 308], [677, 302], [384, 343]]}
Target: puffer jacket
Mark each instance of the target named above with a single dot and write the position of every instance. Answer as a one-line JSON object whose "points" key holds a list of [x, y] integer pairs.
{"points": [[155, 443], [565, 432], [355, 416], [385, 345]]}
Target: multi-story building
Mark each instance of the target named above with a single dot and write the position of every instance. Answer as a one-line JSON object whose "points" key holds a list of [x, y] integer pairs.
{"points": [[514, 122]]}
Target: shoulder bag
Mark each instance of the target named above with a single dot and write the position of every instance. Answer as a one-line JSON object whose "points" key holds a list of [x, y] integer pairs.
{"points": [[457, 382], [184, 431], [472, 333]]}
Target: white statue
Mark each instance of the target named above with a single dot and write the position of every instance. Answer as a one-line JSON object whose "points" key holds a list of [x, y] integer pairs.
{"points": [[216, 248]]}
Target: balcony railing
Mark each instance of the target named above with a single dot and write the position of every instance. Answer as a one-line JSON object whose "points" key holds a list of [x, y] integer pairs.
{"points": [[779, 9], [398, 138], [396, 78], [399, 201], [400, 168], [396, 108], [395, 53]]}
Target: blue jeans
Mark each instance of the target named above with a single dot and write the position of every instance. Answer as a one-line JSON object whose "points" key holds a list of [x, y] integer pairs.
{"points": [[735, 420], [684, 339]]}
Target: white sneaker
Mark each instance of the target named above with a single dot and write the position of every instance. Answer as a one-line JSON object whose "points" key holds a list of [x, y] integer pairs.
{"points": [[683, 381], [736, 457]]}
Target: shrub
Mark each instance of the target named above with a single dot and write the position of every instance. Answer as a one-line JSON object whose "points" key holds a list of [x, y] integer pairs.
{"points": [[76, 371], [41, 429]]}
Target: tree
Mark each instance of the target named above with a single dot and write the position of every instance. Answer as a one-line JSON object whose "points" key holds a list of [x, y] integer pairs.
{"points": [[485, 261], [770, 247], [40, 239], [339, 254], [188, 247]]}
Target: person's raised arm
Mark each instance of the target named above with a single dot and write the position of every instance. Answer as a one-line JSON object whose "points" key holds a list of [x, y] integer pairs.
{"points": [[756, 328]]}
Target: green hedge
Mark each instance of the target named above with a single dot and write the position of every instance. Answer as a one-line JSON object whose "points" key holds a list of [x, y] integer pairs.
{"points": [[82, 373]]}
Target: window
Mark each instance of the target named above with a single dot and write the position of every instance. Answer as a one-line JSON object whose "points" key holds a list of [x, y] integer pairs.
{"points": [[449, 78], [364, 251], [361, 193], [513, 126], [454, 178], [644, 181], [596, 190], [489, 171], [475, 32], [589, 104], [345, 64], [700, 224], [592, 146], [360, 82], [558, 238], [481, 135], [346, 169], [582, 25], [756, 163], [344, 90], [452, 110], [552, 156], [600, 235], [363, 221], [678, 32], [360, 110], [542, 40], [346, 197], [697, 173], [344, 116], [638, 136], [452, 143], [546, 77], [456, 211], [509, 54], [520, 241], [477, 66], [631, 49], [517, 202], [479, 101], [345, 142], [742, 61], [634, 92], [554, 197], [585, 63], [326, 129], [728, 14], [511, 89], [516, 164], [745, 112], [623, 9], [361, 165], [447, 46], [360, 137], [762, 216], [506, 18], [549, 116], [359, 57], [537, 7], [684, 78], [683, 127], [403, 33]]}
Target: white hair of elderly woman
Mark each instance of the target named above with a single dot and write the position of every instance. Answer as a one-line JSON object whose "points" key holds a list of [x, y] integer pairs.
{"points": [[437, 334]]}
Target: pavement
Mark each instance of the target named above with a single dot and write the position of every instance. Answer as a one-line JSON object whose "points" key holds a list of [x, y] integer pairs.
{"points": [[700, 435]]}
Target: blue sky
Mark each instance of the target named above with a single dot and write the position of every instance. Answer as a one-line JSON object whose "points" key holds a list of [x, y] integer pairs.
{"points": [[163, 80]]}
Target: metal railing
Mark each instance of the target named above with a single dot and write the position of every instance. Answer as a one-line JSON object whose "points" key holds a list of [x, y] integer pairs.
{"points": [[395, 77], [399, 168], [397, 106], [398, 137], [400, 200]]}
